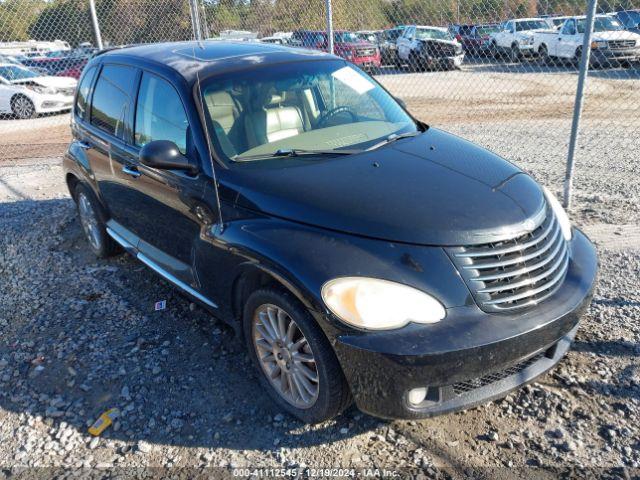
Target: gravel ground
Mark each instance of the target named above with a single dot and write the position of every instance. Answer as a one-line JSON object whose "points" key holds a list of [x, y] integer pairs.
{"points": [[79, 336]]}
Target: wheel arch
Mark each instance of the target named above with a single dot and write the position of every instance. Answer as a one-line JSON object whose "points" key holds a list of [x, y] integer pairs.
{"points": [[252, 277]]}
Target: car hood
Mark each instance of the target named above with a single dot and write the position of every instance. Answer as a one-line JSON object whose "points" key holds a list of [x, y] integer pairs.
{"points": [[616, 35], [358, 44], [433, 189], [56, 82], [437, 40]]}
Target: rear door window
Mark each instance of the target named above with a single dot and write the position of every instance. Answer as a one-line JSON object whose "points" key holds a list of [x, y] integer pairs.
{"points": [[160, 114], [111, 99]]}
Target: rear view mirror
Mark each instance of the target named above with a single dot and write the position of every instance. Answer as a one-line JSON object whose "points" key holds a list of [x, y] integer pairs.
{"points": [[165, 155]]}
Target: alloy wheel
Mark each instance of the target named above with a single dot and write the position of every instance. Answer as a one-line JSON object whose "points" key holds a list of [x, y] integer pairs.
{"points": [[23, 107], [89, 220], [285, 356]]}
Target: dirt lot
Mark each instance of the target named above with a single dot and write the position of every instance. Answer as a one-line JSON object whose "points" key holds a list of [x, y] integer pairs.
{"points": [[79, 335]]}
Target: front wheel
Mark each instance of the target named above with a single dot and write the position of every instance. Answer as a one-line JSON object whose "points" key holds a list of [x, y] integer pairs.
{"points": [[295, 362], [23, 108], [514, 53]]}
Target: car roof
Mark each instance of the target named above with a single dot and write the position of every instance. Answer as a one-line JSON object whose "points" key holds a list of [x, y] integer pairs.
{"points": [[191, 57], [527, 19]]}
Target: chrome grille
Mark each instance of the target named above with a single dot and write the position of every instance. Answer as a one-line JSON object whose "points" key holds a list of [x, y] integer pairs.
{"points": [[365, 52], [516, 273], [618, 44]]}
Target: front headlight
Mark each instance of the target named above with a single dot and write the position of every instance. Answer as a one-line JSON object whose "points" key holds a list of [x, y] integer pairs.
{"points": [[558, 211], [374, 304], [41, 89], [599, 44]]}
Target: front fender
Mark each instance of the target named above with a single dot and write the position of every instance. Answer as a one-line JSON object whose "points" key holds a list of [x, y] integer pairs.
{"points": [[303, 258]]}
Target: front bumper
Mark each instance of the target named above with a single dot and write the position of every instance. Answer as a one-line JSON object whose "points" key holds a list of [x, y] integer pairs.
{"points": [[53, 103], [452, 61], [471, 356], [367, 62], [605, 56]]}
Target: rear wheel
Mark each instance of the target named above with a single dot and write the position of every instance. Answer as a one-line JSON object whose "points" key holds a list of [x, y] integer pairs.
{"points": [[543, 55], [92, 221], [295, 361], [22, 107]]}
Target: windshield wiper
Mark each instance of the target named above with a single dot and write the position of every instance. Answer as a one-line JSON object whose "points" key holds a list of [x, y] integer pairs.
{"points": [[293, 152], [392, 138]]}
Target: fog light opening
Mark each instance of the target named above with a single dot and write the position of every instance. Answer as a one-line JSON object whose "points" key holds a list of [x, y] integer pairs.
{"points": [[417, 395]]}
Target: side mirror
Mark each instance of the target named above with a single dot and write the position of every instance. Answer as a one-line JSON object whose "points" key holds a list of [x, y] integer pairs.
{"points": [[165, 155]]}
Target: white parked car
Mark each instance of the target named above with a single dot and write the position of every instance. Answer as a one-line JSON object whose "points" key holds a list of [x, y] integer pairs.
{"points": [[423, 47], [26, 93], [610, 43], [515, 37]]}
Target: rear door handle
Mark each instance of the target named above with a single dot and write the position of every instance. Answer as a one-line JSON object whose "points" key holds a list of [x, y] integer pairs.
{"points": [[130, 170]]}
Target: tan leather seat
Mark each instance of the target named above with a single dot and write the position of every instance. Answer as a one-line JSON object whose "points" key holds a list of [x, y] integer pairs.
{"points": [[272, 121], [222, 109], [224, 116]]}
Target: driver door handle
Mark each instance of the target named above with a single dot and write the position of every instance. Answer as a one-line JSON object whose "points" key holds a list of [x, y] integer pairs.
{"points": [[131, 170]]}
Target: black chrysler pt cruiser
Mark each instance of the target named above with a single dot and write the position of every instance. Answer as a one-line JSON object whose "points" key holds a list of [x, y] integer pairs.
{"points": [[360, 254]]}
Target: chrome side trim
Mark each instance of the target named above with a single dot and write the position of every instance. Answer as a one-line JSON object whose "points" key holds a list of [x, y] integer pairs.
{"points": [[119, 239], [178, 283], [158, 269]]}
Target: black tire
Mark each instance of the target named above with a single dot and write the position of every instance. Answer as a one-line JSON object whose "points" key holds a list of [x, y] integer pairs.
{"points": [[495, 51], [23, 108], [577, 58], [101, 243], [333, 391], [543, 55], [417, 63], [514, 53]]}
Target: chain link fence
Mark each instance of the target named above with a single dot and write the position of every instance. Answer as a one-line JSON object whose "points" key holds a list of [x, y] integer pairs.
{"points": [[502, 73]]}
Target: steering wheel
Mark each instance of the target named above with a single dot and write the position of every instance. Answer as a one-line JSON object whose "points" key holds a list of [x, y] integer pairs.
{"points": [[329, 114]]}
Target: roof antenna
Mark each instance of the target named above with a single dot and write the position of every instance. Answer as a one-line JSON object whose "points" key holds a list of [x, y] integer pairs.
{"points": [[203, 119]]}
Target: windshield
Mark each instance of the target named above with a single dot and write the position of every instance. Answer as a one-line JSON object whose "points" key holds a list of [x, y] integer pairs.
{"points": [[321, 105], [601, 24], [558, 21], [432, 34], [345, 37], [531, 25], [631, 18], [487, 30], [14, 72]]}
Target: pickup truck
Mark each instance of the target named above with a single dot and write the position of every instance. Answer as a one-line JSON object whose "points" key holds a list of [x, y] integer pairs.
{"points": [[346, 44], [515, 38], [610, 43]]}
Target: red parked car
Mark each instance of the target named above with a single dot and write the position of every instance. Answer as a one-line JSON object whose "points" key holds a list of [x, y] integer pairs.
{"points": [[347, 45], [475, 39], [73, 71]]}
